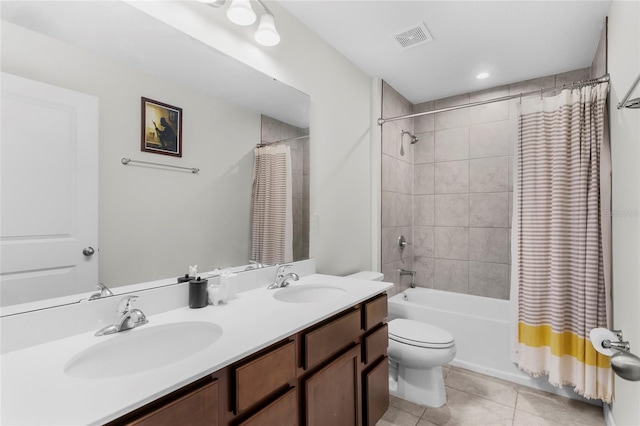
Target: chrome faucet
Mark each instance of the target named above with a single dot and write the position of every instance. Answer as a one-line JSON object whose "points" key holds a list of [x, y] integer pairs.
{"points": [[282, 279], [104, 292], [412, 274], [127, 317]]}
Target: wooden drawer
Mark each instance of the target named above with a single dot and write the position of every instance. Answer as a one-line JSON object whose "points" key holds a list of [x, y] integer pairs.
{"points": [[264, 375], [331, 338], [199, 407], [282, 412], [375, 312], [375, 344], [376, 392]]}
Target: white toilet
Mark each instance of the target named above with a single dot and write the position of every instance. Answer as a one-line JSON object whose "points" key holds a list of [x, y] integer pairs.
{"points": [[417, 352]]}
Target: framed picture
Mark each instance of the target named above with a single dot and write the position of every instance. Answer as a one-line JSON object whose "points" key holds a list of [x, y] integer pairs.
{"points": [[161, 128]]}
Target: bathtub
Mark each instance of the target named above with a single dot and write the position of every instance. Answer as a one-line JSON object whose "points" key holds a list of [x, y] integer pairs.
{"points": [[480, 326]]}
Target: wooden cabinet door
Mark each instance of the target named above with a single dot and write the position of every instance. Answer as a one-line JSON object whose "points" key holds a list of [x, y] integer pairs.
{"points": [[376, 392], [197, 408], [332, 395]]}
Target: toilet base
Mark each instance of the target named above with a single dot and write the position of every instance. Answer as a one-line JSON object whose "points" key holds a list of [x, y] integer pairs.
{"points": [[424, 386]]}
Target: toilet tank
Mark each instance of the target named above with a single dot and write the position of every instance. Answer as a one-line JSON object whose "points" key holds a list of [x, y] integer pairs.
{"points": [[367, 275]]}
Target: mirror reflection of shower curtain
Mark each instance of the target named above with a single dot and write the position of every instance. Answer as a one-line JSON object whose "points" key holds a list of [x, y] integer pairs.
{"points": [[271, 209]]}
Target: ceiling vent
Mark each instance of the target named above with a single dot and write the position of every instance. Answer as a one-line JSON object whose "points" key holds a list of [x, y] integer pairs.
{"points": [[414, 36]]}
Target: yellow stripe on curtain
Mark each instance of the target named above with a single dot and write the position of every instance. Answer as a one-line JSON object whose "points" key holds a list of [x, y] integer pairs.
{"points": [[561, 344]]}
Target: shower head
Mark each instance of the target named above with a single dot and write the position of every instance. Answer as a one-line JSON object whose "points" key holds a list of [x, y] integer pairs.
{"points": [[414, 138]]}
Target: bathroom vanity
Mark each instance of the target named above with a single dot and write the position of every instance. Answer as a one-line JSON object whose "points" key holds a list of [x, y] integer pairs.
{"points": [[334, 372], [285, 356]]}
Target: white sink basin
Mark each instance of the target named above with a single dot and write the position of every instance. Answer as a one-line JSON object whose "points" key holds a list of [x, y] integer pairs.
{"points": [[308, 293], [143, 348]]}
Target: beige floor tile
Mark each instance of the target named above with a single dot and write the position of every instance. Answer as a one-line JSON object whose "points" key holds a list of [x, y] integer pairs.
{"points": [[466, 409], [410, 407], [562, 410], [424, 422], [522, 418], [397, 417], [496, 390]]}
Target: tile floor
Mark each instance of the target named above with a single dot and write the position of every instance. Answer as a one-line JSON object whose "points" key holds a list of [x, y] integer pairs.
{"points": [[474, 399]]}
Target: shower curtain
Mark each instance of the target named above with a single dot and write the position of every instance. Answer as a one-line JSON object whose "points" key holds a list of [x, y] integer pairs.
{"points": [[562, 227], [271, 210]]}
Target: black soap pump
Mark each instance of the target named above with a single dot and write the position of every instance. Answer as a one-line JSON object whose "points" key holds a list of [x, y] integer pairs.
{"points": [[198, 296], [185, 279]]}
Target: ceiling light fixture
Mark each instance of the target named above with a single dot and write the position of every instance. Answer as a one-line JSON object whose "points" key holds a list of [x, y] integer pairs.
{"points": [[240, 12], [213, 3], [482, 75], [266, 34]]}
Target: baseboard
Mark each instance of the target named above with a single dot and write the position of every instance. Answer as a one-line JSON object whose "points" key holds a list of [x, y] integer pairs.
{"points": [[608, 415]]}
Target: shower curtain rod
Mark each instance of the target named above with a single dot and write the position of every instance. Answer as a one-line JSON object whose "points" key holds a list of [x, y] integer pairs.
{"points": [[602, 79], [265, 143]]}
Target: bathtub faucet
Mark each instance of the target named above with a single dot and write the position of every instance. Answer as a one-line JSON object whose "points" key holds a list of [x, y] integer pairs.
{"points": [[410, 273]]}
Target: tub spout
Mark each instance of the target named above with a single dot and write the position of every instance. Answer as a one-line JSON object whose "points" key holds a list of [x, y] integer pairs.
{"points": [[412, 274]]}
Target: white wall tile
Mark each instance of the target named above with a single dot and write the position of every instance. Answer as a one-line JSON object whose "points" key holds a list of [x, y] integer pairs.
{"points": [[452, 177], [423, 178], [452, 243], [423, 210], [489, 174], [423, 151], [451, 275], [489, 209], [452, 210], [489, 139], [489, 280], [451, 144], [488, 244]]}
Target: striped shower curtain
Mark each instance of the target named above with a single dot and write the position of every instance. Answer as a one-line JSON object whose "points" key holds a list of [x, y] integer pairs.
{"points": [[271, 210], [563, 266]]}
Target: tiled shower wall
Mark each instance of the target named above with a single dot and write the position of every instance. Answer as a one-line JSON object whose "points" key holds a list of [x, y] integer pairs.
{"points": [[397, 188], [275, 130], [462, 190]]}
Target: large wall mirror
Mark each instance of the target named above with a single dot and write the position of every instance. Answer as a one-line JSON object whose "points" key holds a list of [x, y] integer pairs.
{"points": [[155, 221]]}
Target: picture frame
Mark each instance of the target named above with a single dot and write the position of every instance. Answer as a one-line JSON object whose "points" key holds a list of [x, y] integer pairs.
{"points": [[161, 128]]}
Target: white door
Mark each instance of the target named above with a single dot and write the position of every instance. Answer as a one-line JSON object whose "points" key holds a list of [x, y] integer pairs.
{"points": [[49, 191]]}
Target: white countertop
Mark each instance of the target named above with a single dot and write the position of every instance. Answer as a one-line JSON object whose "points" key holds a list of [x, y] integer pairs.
{"points": [[36, 391]]}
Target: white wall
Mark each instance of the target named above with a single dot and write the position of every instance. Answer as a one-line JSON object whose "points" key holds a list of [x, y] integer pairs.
{"points": [[624, 66], [149, 217], [340, 125]]}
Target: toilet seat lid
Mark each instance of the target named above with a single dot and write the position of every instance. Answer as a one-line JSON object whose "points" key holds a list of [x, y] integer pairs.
{"points": [[420, 334]]}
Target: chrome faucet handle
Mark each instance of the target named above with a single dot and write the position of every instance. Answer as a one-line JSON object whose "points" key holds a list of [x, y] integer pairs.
{"points": [[104, 292], [126, 304], [284, 280], [281, 270]]}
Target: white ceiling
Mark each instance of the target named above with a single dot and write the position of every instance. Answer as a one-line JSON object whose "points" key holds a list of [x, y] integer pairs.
{"points": [[512, 40]]}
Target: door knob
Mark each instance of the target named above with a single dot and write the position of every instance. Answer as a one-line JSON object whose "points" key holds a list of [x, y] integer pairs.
{"points": [[88, 251]]}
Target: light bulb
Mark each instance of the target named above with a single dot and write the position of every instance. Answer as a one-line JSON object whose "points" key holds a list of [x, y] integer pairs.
{"points": [[241, 13], [266, 34], [482, 75]]}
